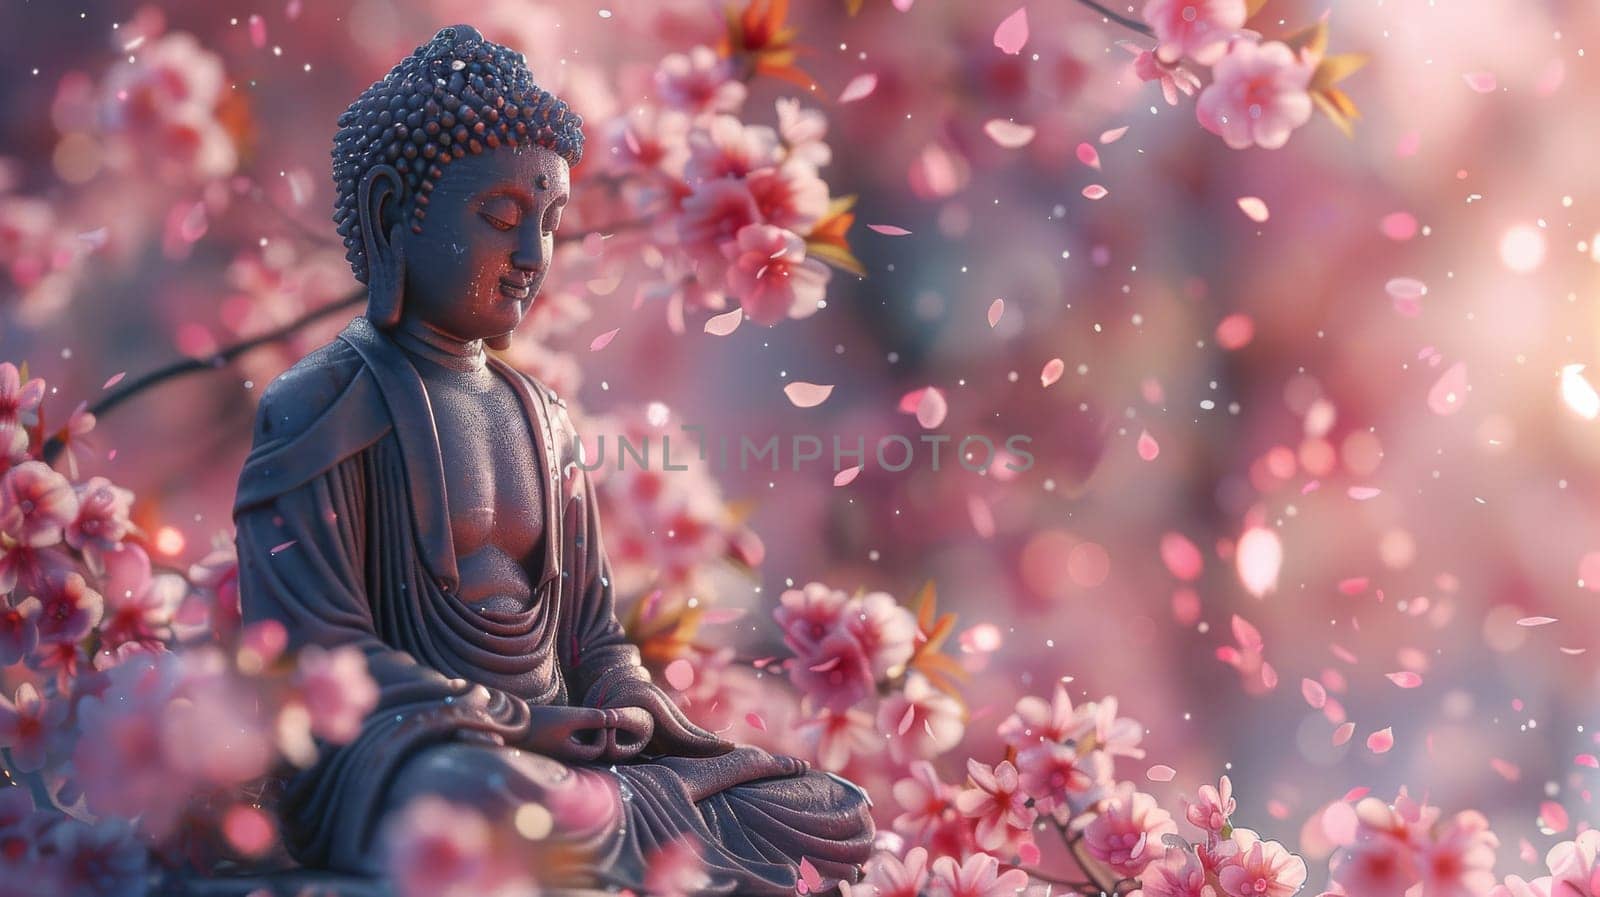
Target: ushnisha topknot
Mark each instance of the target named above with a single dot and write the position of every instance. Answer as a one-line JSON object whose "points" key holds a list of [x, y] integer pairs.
{"points": [[454, 95]]}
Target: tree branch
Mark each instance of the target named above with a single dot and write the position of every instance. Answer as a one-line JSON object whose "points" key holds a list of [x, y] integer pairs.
{"points": [[1119, 18]]}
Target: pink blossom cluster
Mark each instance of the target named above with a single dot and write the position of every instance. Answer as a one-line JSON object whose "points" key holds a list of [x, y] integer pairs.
{"points": [[854, 653], [743, 206], [1392, 848], [1260, 90], [112, 670]]}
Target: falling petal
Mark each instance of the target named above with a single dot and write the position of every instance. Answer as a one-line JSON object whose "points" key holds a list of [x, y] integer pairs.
{"points": [[1254, 208], [1536, 621], [859, 88], [680, 674], [1314, 693], [1089, 156], [1588, 760], [1381, 741], [1148, 447], [1578, 392], [1343, 733], [1258, 558], [996, 309], [282, 546], [847, 476], [807, 395], [1404, 679], [1553, 817], [1398, 226], [1269, 676], [756, 722], [1009, 134], [1113, 135], [258, 31], [1053, 369], [1161, 773], [1482, 82], [1182, 558], [1450, 392], [603, 340], [1095, 191], [1013, 32], [889, 230], [1246, 634], [931, 408], [1362, 493], [725, 323], [906, 720], [115, 379]]}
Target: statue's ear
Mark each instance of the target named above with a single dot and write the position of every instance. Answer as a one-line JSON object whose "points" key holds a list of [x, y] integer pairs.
{"points": [[379, 197]]}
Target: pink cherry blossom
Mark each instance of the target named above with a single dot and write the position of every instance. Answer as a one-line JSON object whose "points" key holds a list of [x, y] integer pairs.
{"points": [[1036, 720], [35, 504], [1573, 869], [104, 857], [699, 81], [802, 132], [809, 614], [162, 102], [19, 401], [930, 816], [725, 147], [789, 195], [1377, 864], [1126, 835], [1062, 781], [1257, 95], [997, 802], [1198, 29], [649, 139], [771, 276], [31, 726], [69, 609], [920, 721], [1515, 886], [835, 737], [1173, 77], [139, 608], [1264, 869], [713, 216], [19, 630], [337, 691], [978, 876], [835, 674], [890, 876], [1213, 808], [1178, 873], [1458, 860], [102, 520], [441, 849], [1118, 736], [886, 632]]}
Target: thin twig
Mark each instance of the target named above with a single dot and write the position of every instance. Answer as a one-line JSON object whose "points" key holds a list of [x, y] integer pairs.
{"points": [[1120, 19]]}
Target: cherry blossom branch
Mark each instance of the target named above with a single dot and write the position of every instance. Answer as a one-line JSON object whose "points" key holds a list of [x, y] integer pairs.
{"points": [[1074, 843], [1120, 19], [225, 355]]}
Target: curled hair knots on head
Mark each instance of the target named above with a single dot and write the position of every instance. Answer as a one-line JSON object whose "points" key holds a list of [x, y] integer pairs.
{"points": [[454, 95]]}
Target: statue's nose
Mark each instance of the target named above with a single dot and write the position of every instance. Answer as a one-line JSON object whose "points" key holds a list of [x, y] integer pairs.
{"points": [[529, 255]]}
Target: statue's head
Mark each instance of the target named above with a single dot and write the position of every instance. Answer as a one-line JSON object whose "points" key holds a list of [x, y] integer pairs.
{"points": [[451, 175]]}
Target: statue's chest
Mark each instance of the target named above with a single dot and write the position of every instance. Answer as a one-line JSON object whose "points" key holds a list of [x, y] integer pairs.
{"points": [[491, 465]]}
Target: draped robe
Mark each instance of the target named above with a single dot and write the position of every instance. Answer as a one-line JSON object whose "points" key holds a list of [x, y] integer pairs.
{"points": [[344, 538]]}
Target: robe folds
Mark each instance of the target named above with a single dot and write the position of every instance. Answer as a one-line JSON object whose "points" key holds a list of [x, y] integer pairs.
{"points": [[344, 538]]}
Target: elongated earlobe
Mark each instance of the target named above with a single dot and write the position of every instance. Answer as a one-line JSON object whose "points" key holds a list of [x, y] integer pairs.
{"points": [[379, 201]]}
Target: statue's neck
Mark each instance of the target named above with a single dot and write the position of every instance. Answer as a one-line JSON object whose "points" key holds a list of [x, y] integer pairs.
{"points": [[428, 343]]}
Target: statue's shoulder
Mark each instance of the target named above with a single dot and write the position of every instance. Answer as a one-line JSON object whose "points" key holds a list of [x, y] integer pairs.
{"points": [[331, 377], [324, 409]]}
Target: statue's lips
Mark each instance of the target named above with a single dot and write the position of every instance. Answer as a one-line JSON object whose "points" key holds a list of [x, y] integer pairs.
{"points": [[515, 289]]}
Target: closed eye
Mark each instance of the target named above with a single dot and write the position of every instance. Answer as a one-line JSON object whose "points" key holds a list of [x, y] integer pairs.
{"points": [[497, 223]]}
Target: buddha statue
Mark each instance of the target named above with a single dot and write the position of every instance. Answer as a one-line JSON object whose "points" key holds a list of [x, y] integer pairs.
{"points": [[411, 494]]}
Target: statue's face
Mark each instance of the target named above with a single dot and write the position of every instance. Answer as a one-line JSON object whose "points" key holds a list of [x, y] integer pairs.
{"points": [[486, 242]]}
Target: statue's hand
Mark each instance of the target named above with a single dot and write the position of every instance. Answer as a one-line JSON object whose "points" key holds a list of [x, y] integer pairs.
{"points": [[674, 734], [576, 734]]}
